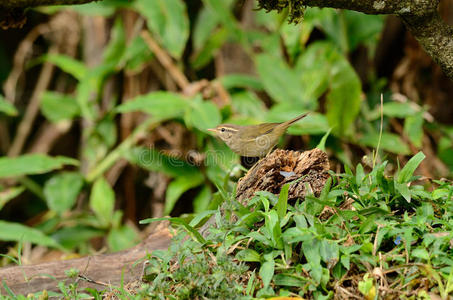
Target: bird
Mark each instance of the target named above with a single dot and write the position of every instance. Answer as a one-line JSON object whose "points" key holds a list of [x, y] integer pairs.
{"points": [[254, 140]]}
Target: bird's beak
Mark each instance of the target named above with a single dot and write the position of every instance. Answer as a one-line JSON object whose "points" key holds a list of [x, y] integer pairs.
{"points": [[212, 130]]}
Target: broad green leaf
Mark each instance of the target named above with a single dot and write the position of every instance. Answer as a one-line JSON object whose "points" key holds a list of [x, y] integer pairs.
{"points": [[279, 81], [203, 56], [203, 115], [398, 109], [289, 280], [10, 193], [230, 81], [30, 164], [137, 54], [246, 103], [343, 98], [116, 47], [408, 170], [201, 216], [224, 14], [56, 107], [154, 160], [201, 201], [161, 105], [205, 24], [103, 8], [329, 252], [168, 21], [420, 253], [272, 225], [61, 191], [249, 255], [7, 108], [177, 187], [362, 28], [389, 142], [102, 201], [68, 64], [122, 238], [15, 232], [267, 272], [413, 127], [282, 203]]}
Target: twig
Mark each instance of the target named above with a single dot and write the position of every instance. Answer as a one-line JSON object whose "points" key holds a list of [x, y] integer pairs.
{"points": [[166, 61], [33, 107]]}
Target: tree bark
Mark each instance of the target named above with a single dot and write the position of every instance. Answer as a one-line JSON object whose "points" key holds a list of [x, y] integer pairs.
{"points": [[305, 171]]}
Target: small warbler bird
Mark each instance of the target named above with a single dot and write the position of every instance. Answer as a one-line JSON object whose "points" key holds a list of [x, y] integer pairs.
{"points": [[255, 140]]}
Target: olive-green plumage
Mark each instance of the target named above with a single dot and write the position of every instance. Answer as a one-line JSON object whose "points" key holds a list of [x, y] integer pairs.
{"points": [[254, 140]]}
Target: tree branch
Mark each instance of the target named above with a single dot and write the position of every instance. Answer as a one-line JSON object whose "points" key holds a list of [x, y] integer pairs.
{"points": [[9, 4], [420, 17]]}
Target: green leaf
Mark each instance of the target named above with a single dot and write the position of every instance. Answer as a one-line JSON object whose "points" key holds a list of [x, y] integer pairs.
{"points": [[161, 105], [407, 172], [201, 216], [413, 127], [201, 201], [122, 238], [343, 99], [322, 143], [267, 272], [7, 108], [116, 47], [69, 65], [290, 280], [205, 24], [56, 107], [224, 14], [203, 115], [398, 109], [102, 201], [247, 104], [272, 225], [420, 253], [282, 203], [14, 232], [207, 52], [168, 21], [29, 164], [154, 160], [279, 80], [61, 191], [231, 81], [177, 187], [389, 142], [249, 255], [137, 54]]}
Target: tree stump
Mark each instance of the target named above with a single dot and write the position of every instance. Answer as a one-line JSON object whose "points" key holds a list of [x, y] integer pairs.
{"points": [[304, 169]]}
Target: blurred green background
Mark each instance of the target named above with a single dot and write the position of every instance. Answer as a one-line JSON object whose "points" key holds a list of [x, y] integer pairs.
{"points": [[104, 108]]}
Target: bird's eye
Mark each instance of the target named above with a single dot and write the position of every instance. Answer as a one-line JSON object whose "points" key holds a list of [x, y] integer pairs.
{"points": [[222, 130]]}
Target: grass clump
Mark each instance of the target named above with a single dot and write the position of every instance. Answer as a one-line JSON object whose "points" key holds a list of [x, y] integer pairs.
{"points": [[366, 234]]}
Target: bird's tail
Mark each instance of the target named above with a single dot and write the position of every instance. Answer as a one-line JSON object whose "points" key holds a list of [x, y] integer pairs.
{"points": [[288, 123]]}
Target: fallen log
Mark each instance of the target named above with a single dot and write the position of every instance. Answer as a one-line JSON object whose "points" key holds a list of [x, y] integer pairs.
{"points": [[96, 271]]}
